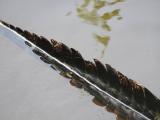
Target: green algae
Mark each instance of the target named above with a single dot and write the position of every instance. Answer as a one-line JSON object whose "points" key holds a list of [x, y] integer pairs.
{"points": [[93, 17]]}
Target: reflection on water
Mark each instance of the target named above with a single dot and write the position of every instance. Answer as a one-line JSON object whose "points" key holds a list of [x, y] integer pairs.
{"points": [[89, 12]]}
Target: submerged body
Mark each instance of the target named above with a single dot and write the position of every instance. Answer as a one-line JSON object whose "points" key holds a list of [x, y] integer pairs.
{"points": [[120, 95]]}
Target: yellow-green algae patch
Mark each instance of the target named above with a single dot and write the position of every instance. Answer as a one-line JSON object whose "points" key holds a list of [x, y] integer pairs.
{"points": [[103, 39], [92, 16]]}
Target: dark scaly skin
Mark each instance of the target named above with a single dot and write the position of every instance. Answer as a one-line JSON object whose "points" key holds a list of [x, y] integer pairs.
{"points": [[126, 90]]}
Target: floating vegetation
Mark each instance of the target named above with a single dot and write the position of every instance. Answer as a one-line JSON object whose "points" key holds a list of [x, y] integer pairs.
{"points": [[102, 39], [89, 12]]}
